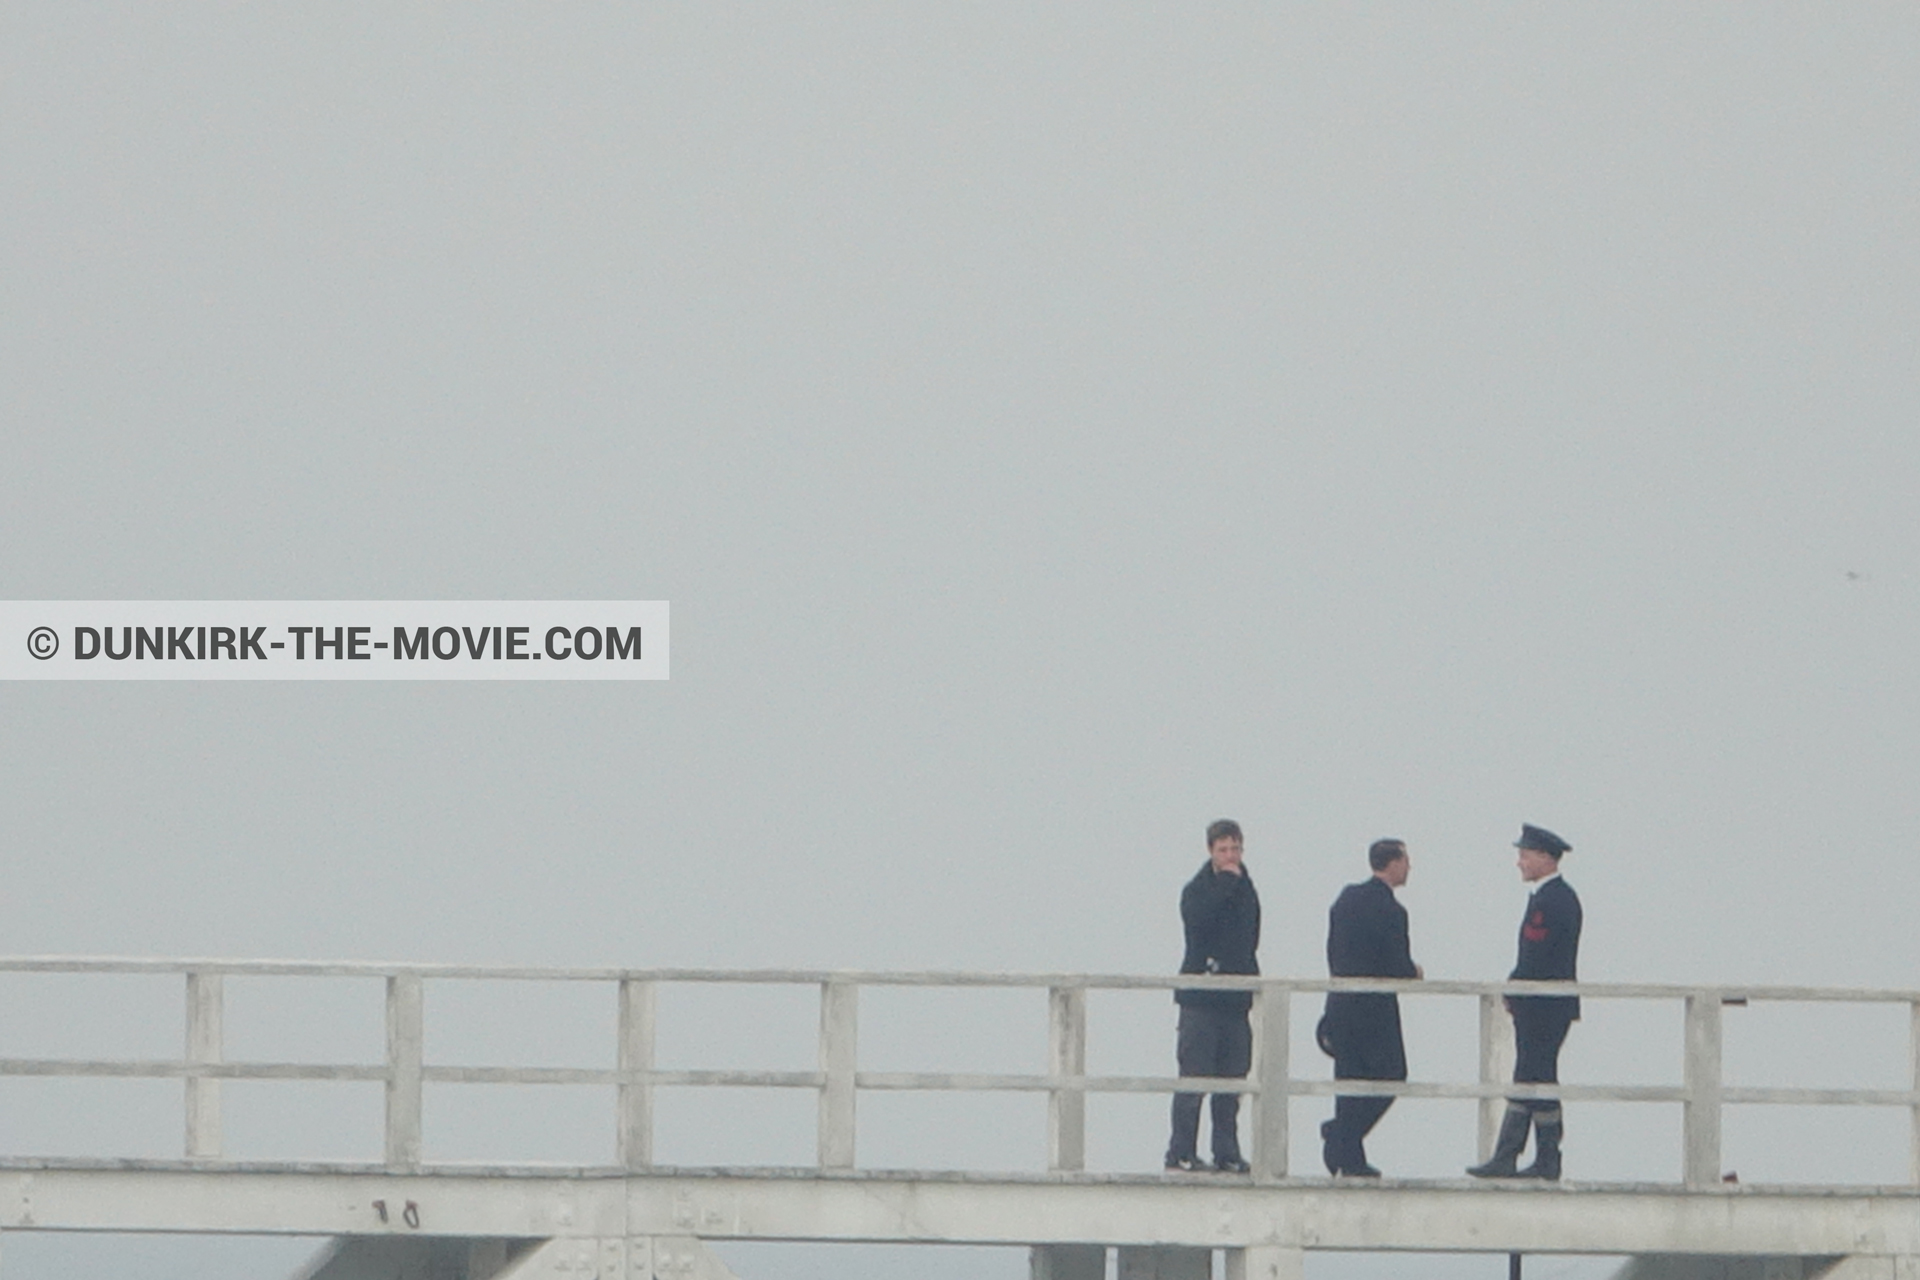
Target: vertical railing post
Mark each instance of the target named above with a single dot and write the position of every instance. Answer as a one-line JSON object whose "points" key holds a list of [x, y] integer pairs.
{"points": [[1496, 1066], [1913, 1077], [1067, 1057], [1273, 1069], [405, 1042], [205, 1044], [637, 1010], [839, 1041], [1702, 1119]]}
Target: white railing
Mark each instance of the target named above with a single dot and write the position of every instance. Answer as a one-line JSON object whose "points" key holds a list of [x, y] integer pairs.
{"points": [[1702, 1094]]}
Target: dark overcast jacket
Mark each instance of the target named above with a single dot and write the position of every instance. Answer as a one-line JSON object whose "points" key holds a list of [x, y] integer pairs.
{"points": [[1367, 938], [1221, 915], [1550, 944]]}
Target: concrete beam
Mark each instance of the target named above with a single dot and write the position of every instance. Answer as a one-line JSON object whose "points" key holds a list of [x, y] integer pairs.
{"points": [[300, 1202], [1037, 1209], [1307, 1214]]}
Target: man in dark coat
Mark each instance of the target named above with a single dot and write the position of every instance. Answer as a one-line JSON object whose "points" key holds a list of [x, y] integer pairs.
{"points": [[1366, 938], [1549, 951], [1221, 915]]}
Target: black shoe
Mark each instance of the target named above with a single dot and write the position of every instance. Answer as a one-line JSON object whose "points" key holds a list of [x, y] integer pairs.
{"points": [[1504, 1162], [1336, 1164], [1546, 1155], [1184, 1164], [1232, 1164]]}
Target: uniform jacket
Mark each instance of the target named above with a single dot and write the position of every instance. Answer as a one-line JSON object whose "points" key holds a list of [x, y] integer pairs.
{"points": [[1550, 943], [1367, 938], [1221, 915]]}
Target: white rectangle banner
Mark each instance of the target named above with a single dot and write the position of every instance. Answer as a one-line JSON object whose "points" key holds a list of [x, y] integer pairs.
{"points": [[333, 640]]}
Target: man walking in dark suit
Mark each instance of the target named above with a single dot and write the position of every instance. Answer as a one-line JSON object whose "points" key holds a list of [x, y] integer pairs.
{"points": [[1366, 938], [1220, 913], [1549, 950]]}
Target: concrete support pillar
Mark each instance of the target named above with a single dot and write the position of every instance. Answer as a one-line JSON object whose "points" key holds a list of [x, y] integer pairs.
{"points": [[1913, 1125], [1496, 1066], [839, 1040], [205, 1044], [1266, 1262], [1164, 1262], [676, 1258], [1067, 1262], [1701, 1112], [638, 1015], [1274, 1071], [1067, 1057], [406, 1037]]}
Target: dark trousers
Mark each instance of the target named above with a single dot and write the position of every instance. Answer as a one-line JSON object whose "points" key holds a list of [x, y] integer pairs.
{"points": [[1540, 1026], [1213, 1042], [1365, 1033]]}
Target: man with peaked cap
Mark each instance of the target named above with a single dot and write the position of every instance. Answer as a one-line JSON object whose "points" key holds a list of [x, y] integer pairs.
{"points": [[1549, 949]]}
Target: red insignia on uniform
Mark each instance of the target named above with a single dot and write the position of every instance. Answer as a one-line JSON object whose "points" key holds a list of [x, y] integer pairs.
{"points": [[1536, 928]]}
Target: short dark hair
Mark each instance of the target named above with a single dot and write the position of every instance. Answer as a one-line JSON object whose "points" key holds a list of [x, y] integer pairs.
{"points": [[1384, 853], [1225, 828]]}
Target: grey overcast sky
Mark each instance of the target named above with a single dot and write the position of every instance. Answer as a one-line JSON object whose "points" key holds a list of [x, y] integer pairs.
{"points": [[1054, 427]]}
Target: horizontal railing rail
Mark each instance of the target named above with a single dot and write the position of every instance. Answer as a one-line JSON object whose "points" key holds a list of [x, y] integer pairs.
{"points": [[1731, 993], [1702, 1094]]}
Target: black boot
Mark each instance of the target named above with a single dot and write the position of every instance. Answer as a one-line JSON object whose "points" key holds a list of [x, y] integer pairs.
{"points": [[1344, 1157], [1546, 1147], [1505, 1160]]}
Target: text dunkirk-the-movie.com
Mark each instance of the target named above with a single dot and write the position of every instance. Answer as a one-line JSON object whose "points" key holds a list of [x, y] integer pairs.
{"points": [[333, 640]]}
